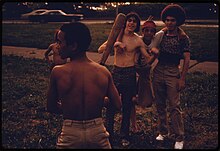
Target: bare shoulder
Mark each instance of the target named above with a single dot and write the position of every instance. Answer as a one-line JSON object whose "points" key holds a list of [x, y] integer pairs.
{"points": [[140, 41], [138, 38], [136, 35], [102, 69], [59, 70], [50, 47], [53, 45]]}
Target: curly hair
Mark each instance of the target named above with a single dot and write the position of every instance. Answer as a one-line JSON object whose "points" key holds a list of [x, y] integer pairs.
{"points": [[176, 11]]}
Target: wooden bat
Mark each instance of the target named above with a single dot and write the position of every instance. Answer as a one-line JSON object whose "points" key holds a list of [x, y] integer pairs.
{"points": [[116, 28]]}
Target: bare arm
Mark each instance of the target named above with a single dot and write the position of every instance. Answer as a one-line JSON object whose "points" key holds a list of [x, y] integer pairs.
{"points": [[181, 83], [113, 94], [102, 47], [154, 54], [109, 46], [105, 55], [52, 95], [46, 54], [150, 59]]}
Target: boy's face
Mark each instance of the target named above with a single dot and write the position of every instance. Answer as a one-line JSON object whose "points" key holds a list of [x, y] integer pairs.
{"points": [[63, 48], [131, 24], [149, 32], [170, 23]]}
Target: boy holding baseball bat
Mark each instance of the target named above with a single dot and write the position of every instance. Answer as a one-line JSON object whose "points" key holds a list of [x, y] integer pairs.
{"points": [[124, 73]]}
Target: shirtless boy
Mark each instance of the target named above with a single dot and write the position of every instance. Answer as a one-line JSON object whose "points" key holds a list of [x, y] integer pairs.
{"points": [[54, 47], [80, 86], [124, 74]]}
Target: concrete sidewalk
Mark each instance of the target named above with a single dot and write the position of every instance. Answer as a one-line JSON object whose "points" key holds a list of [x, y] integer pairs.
{"points": [[209, 67]]}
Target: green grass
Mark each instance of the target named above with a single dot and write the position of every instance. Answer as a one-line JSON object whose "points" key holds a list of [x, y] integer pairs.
{"points": [[204, 40], [41, 35], [27, 125]]}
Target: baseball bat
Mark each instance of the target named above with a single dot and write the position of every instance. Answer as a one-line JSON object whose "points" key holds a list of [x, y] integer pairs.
{"points": [[116, 28]]}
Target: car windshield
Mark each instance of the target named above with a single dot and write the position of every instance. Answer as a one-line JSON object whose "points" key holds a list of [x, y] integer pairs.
{"points": [[38, 12], [54, 13]]}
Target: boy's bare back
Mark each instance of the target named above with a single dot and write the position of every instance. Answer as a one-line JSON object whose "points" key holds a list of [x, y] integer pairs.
{"points": [[82, 87]]}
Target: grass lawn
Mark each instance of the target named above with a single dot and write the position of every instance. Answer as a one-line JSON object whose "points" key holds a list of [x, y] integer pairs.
{"points": [[27, 125], [204, 40]]}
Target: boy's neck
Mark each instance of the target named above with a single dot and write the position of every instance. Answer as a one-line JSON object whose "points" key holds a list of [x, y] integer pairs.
{"points": [[147, 41], [129, 33], [172, 32], [78, 56]]}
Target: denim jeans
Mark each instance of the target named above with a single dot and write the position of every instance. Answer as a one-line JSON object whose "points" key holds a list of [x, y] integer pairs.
{"points": [[125, 82]]}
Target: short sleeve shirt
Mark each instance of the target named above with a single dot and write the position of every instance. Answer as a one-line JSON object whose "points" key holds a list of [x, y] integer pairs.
{"points": [[172, 49]]}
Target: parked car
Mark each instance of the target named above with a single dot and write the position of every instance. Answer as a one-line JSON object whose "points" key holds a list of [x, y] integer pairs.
{"points": [[55, 16], [34, 12]]}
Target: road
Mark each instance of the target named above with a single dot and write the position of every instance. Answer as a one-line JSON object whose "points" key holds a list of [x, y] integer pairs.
{"points": [[209, 67]]}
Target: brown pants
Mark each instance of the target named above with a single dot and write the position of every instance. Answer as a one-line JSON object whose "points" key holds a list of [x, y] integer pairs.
{"points": [[89, 134], [145, 94], [165, 79]]}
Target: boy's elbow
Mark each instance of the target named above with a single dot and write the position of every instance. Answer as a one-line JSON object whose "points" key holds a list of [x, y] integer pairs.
{"points": [[100, 50]]}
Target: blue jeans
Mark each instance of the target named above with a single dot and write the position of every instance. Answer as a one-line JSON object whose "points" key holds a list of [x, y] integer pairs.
{"points": [[89, 134]]}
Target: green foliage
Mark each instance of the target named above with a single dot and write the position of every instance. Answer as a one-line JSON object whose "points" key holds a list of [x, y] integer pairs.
{"points": [[204, 40]]}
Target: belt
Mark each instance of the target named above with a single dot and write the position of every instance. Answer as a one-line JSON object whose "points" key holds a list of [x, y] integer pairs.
{"points": [[96, 121]]}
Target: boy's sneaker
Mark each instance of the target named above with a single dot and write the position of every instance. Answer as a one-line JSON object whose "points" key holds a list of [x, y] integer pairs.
{"points": [[125, 142], [160, 137], [178, 145]]}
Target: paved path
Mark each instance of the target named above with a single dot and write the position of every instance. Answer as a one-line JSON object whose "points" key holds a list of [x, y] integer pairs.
{"points": [[209, 67]]}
